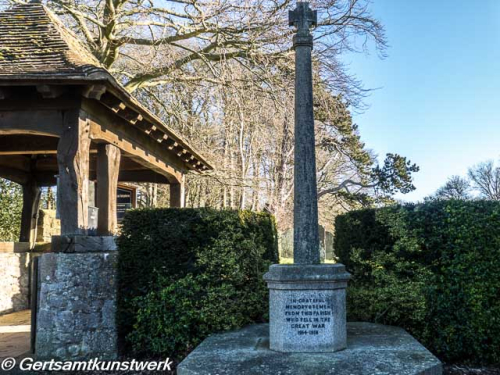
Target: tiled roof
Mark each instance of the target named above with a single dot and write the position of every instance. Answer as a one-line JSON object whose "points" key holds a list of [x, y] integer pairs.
{"points": [[35, 45], [34, 42]]}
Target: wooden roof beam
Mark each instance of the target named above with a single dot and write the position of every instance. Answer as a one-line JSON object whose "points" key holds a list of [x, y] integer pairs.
{"points": [[156, 134], [23, 163], [186, 156], [14, 175], [26, 144], [172, 145], [112, 102], [133, 150], [142, 176], [130, 115], [94, 91], [151, 130], [136, 119], [133, 117], [51, 91]]}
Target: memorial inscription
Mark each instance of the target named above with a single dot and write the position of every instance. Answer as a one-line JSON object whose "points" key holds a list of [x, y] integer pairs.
{"points": [[308, 316], [307, 307]]}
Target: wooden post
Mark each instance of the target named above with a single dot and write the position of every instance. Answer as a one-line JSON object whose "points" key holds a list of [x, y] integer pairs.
{"points": [[108, 168], [177, 194], [31, 201], [73, 164]]}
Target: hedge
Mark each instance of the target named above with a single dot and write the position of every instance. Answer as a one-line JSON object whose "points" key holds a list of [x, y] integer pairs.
{"points": [[186, 273], [433, 269]]}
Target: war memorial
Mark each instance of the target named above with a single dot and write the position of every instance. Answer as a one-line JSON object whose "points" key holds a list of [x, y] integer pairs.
{"points": [[307, 331], [153, 286]]}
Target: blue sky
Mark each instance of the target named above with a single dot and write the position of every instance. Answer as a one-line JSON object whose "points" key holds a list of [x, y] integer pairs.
{"points": [[438, 101]]}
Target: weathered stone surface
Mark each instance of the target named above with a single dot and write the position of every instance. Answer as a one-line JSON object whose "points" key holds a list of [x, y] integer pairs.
{"points": [[305, 204], [307, 308], [76, 306], [14, 279], [372, 349], [83, 244]]}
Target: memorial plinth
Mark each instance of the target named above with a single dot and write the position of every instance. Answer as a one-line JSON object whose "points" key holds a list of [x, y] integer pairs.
{"points": [[307, 310], [372, 349]]}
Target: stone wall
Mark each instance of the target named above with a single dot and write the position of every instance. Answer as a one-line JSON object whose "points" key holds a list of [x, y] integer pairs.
{"points": [[76, 306], [14, 279]]}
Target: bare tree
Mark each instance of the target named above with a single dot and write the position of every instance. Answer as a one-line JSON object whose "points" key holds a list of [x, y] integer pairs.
{"points": [[221, 73], [486, 180], [156, 42], [455, 188]]}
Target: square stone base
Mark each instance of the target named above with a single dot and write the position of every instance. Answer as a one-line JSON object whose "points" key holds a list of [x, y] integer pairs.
{"points": [[371, 349], [307, 307], [76, 310]]}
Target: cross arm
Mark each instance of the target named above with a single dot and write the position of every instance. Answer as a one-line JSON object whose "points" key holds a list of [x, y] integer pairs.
{"points": [[303, 17]]}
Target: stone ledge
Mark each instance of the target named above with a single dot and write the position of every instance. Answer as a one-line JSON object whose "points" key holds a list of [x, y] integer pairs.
{"points": [[307, 272], [307, 276], [83, 244], [371, 349]]}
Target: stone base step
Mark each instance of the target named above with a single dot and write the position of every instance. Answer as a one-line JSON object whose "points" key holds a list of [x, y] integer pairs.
{"points": [[371, 349]]}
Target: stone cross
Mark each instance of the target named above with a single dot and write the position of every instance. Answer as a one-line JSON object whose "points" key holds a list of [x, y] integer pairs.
{"points": [[306, 237], [303, 18], [306, 286]]}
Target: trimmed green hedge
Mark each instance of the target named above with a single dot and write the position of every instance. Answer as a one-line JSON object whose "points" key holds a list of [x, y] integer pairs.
{"points": [[433, 269], [186, 273]]}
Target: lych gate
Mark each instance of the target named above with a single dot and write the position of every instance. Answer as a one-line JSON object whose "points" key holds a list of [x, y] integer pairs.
{"points": [[65, 120]]}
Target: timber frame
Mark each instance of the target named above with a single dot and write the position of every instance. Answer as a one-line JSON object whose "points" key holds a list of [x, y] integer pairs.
{"points": [[74, 123]]}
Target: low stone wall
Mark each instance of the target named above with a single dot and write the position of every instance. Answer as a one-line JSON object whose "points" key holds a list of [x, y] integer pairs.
{"points": [[76, 306], [15, 272]]}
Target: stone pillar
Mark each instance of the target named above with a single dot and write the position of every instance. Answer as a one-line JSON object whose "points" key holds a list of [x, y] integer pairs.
{"points": [[108, 168], [31, 201], [306, 239], [177, 195], [73, 163], [76, 296]]}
